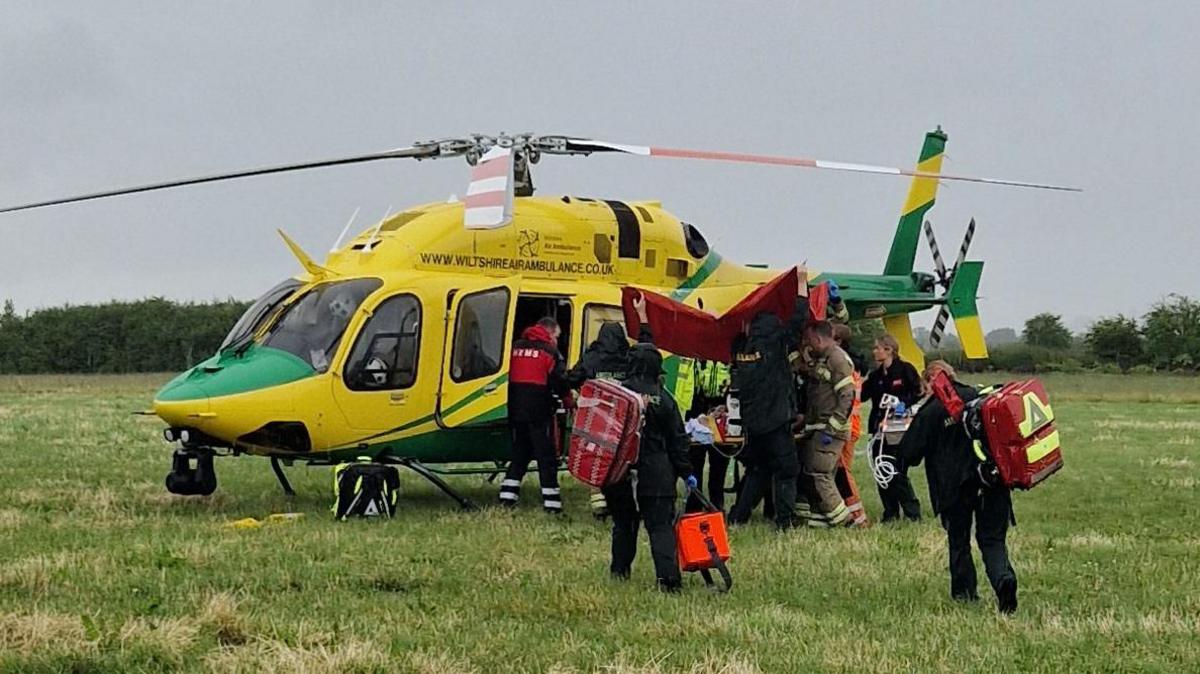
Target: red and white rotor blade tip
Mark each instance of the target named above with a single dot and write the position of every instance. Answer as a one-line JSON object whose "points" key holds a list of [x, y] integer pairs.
{"points": [[799, 162], [489, 200]]}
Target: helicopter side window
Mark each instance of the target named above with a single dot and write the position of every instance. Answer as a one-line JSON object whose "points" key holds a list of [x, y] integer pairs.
{"points": [[311, 327], [258, 312], [479, 335], [697, 245], [595, 316], [385, 354]]}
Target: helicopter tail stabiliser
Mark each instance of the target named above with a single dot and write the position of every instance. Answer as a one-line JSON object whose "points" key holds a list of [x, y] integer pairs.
{"points": [[960, 302]]}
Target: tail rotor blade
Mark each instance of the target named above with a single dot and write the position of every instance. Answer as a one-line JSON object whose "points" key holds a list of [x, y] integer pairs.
{"points": [[966, 244], [415, 152], [938, 263], [939, 326], [588, 146]]}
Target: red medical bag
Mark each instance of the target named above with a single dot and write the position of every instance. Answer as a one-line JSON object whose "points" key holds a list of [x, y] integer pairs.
{"points": [[606, 434], [702, 542], [1012, 426], [1020, 434]]}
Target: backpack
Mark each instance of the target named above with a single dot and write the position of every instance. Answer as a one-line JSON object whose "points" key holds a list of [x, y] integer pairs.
{"points": [[606, 433], [365, 490], [1012, 429]]}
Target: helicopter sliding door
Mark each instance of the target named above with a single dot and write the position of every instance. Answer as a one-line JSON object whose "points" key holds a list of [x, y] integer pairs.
{"points": [[474, 386], [383, 384]]}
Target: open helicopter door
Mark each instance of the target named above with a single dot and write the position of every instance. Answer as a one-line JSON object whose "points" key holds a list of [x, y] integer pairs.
{"points": [[479, 335]]}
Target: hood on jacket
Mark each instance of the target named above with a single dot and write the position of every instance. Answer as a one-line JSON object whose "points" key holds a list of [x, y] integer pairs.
{"points": [[765, 324], [537, 333], [611, 340], [645, 362]]}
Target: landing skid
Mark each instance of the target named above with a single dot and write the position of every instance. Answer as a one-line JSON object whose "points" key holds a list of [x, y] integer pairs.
{"points": [[411, 464], [282, 477], [424, 471]]}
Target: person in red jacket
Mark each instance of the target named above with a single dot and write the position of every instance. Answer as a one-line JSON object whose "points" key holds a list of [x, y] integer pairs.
{"points": [[536, 374]]}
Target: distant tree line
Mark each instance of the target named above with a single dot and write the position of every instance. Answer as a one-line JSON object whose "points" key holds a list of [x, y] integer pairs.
{"points": [[160, 335], [1165, 339], [152, 335]]}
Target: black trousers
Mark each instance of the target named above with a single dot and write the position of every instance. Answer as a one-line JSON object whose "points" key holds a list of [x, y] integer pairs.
{"points": [[533, 441], [990, 510], [898, 496], [628, 512], [718, 468], [772, 464]]}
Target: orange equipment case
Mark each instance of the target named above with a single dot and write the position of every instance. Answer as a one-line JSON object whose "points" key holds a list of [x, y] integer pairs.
{"points": [[703, 543]]}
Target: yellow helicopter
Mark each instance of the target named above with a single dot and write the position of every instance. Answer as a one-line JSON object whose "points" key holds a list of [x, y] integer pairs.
{"points": [[396, 346]]}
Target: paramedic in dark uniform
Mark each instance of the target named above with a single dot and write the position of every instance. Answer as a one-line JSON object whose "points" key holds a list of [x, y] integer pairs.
{"points": [[535, 375], [648, 495], [961, 498], [893, 376], [605, 358], [762, 375]]}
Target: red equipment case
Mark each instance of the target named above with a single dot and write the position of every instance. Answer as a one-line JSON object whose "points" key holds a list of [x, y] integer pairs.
{"points": [[606, 433], [1021, 438]]}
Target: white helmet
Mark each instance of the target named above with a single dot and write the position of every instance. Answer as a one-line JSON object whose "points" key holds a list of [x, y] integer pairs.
{"points": [[376, 369], [341, 306]]}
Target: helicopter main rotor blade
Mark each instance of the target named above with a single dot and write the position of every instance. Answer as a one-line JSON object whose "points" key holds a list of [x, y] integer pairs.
{"points": [[415, 152], [587, 146]]}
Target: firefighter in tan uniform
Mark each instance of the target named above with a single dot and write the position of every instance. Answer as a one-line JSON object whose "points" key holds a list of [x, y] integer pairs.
{"points": [[829, 384]]}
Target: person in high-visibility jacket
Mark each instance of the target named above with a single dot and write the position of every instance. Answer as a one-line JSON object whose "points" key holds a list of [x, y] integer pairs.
{"points": [[844, 477]]}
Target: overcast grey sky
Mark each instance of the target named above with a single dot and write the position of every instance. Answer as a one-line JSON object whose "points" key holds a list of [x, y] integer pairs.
{"points": [[98, 95]]}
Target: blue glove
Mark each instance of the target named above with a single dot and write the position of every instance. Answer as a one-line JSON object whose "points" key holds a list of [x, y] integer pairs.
{"points": [[899, 409], [835, 293], [826, 440], [691, 482]]}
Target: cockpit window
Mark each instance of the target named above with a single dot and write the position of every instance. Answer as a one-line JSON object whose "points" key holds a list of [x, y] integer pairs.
{"points": [[259, 311], [696, 244], [312, 326]]}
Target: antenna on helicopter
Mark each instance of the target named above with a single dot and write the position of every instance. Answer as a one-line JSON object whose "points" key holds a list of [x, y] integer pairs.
{"points": [[338, 244], [375, 232]]}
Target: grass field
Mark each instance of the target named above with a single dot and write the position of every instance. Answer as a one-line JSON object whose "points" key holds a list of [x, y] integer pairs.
{"points": [[102, 571]]}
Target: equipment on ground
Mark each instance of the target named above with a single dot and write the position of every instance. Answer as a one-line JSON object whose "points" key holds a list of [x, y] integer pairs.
{"points": [[365, 489], [606, 434], [703, 543], [396, 346]]}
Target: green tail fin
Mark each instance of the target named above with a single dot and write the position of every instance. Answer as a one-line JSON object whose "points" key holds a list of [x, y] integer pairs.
{"points": [[960, 299], [921, 195]]}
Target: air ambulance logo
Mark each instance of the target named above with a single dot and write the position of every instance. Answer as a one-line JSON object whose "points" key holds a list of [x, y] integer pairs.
{"points": [[529, 244]]}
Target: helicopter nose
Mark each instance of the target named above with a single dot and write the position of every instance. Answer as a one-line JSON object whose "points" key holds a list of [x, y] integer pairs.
{"points": [[189, 399]]}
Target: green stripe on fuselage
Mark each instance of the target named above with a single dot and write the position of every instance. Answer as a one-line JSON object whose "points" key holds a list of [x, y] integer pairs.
{"points": [[696, 280]]}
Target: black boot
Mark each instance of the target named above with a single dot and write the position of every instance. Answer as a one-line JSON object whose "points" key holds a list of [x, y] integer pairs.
{"points": [[1006, 596]]}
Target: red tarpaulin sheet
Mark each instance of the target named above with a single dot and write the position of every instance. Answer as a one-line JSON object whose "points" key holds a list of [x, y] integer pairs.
{"points": [[688, 331]]}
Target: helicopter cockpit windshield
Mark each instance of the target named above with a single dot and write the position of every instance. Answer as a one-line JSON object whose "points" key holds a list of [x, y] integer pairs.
{"points": [[312, 326], [258, 313]]}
